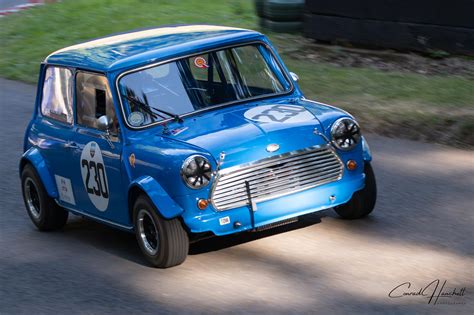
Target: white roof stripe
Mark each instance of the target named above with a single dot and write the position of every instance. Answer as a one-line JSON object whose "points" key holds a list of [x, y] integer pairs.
{"points": [[143, 34]]}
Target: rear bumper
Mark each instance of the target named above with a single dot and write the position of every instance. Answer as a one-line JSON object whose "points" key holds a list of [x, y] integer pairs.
{"points": [[278, 209]]}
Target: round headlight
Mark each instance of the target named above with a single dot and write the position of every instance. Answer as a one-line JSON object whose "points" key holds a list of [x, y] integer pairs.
{"points": [[196, 172], [345, 133]]}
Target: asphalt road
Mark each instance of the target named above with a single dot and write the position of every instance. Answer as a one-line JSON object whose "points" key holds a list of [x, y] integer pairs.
{"points": [[420, 231]]}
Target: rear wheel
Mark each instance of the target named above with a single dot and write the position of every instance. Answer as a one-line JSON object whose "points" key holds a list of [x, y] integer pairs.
{"points": [[363, 201], [45, 213], [164, 243]]}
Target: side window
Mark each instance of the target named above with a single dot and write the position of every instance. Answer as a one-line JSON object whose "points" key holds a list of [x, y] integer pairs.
{"points": [[93, 100], [56, 102]]}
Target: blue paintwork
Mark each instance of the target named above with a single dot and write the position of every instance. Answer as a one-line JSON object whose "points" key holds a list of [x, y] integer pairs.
{"points": [[147, 46], [366, 150], [34, 157], [275, 210], [168, 207], [159, 155]]}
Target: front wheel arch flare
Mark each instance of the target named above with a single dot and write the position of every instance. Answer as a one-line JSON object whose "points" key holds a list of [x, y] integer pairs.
{"points": [[367, 154], [133, 194], [166, 207]]}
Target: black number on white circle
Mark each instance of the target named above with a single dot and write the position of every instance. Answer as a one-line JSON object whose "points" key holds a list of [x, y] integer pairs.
{"points": [[286, 111], [100, 186]]}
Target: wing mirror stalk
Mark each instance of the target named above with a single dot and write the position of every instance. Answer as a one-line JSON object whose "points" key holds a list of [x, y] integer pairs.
{"points": [[103, 124]]}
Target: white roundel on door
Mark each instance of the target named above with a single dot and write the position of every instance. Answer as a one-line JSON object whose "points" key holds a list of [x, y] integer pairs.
{"points": [[94, 175], [279, 114]]}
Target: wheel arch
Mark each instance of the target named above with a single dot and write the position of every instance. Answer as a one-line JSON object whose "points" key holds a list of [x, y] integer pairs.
{"points": [[34, 158], [164, 204], [367, 154]]}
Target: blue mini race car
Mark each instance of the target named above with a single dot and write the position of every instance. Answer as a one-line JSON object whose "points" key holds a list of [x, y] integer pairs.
{"points": [[183, 131]]}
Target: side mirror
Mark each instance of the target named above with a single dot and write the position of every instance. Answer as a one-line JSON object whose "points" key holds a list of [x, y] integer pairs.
{"points": [[294, 76], [103, 123]]}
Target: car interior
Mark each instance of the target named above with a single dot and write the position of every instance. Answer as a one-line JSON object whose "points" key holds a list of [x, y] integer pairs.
{"points": [[93, 100]]}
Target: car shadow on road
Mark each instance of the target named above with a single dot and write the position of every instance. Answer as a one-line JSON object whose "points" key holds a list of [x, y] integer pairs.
{"points": [[104, 238], [123, 244]]}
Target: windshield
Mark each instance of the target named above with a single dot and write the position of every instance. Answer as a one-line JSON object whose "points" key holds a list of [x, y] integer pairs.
{"points": [[194, 83]]}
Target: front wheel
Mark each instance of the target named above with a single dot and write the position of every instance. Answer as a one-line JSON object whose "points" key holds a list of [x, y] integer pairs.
{"points": [[164, 243], [363, 201]]}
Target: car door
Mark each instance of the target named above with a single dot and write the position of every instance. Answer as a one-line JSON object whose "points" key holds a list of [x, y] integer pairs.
{"points": [[98, 153], [53, 128]]}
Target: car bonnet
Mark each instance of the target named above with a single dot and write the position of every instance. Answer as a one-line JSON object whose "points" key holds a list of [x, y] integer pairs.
{"points": [[247, 133]]}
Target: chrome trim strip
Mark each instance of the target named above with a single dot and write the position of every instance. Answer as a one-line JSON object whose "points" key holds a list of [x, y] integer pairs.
{"points": [[151, 65], [294, 171], [292, 160], [281, 172], [271, 158], [307, 178], [273, 179], [281, 194]]}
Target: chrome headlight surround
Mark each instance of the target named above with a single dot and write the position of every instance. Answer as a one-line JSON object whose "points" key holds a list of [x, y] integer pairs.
{"points": [[345, 133], [196, 172]]}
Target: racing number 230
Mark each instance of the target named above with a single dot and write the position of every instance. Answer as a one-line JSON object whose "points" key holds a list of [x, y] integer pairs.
{"points": [[100, 186]]}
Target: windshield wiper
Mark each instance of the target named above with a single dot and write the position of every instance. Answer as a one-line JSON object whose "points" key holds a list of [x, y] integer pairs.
{"points": [[152, 111], [143, 106]]}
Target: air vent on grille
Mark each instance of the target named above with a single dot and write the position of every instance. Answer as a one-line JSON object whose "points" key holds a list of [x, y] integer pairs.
{"points": [[276, 176]]}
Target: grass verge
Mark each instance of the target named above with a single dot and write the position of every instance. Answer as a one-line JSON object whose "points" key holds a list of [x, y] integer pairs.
{"points": [[433, 108]]}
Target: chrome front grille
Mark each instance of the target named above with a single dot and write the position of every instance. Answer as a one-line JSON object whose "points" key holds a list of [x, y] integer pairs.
{"points": [[276, 176]]}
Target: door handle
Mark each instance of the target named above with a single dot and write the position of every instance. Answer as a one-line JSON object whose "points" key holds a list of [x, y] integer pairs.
{"points": [[71, 145]]}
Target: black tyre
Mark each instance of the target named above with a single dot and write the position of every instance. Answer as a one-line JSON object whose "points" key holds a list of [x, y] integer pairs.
{"points": [[363, 201], [164, 243], [281, 27], [259, 7], [45, 213], [283, 10]]}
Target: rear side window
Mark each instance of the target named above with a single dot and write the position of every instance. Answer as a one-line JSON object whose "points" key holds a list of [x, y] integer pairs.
{"points": [[57, 94]]}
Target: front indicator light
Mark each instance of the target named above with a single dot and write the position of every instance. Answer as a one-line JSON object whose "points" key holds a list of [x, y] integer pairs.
{"points": [[202, 204], [351, 165]]}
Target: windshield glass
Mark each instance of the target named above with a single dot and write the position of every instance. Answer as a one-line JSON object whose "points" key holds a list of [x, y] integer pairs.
{"points": [[198, 82]]}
